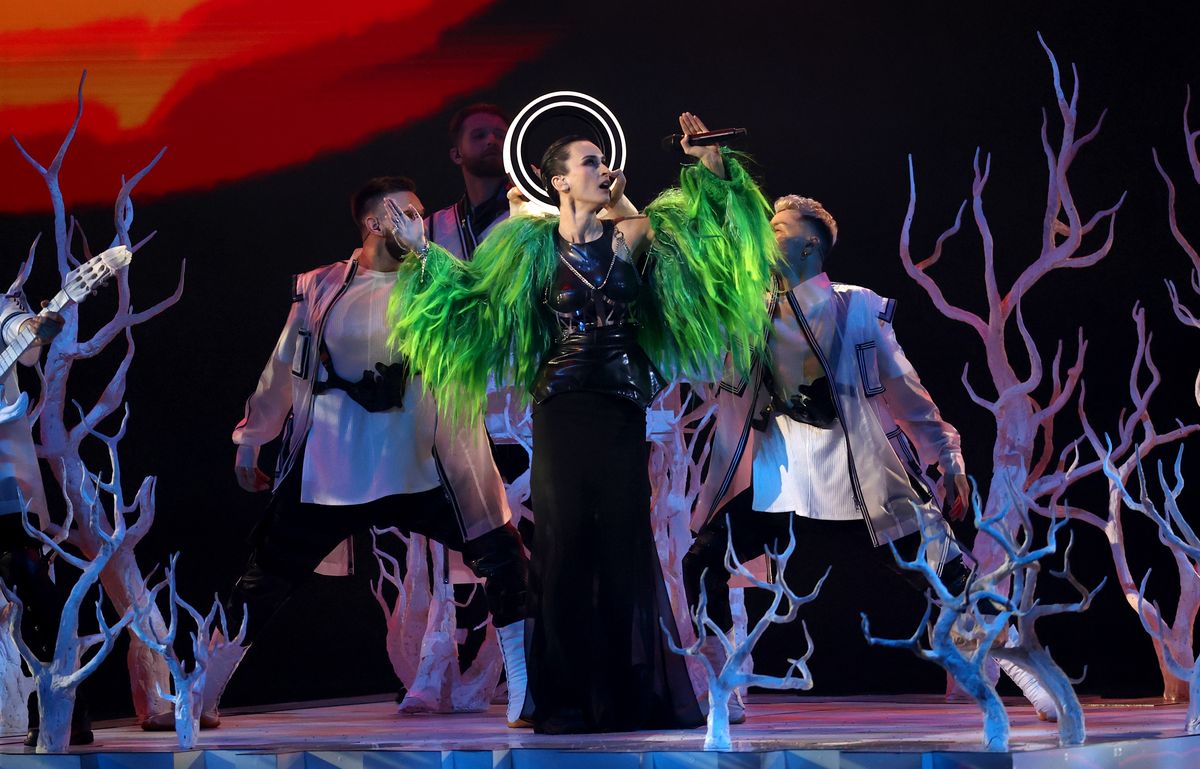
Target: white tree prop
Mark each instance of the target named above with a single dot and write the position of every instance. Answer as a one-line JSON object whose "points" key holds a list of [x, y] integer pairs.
{"points": [[1026, 650], [1020, 480], [971, 626], [15, 685], [1118, 462], [675, 425], [1186, 316], [59, 443], [58, 679], [421, 632], [1019, 417], [960, 638], [1180, 539], [407, 614], [187, 683], [723, 682]]}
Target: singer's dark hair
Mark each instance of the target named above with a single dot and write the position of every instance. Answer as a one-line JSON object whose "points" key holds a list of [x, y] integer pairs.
{"points": [[554, 161], [478, 108], [368, 196]]}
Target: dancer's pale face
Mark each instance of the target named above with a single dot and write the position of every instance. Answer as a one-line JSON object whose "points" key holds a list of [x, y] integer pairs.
{"points": [[588, 177]]}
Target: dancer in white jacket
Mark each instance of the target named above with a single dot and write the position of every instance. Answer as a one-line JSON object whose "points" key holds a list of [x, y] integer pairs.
{"points": [[837, 427], [362, 447]]}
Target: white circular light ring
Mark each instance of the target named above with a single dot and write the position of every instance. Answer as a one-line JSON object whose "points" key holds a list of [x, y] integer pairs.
{"points": [[514, 141]]}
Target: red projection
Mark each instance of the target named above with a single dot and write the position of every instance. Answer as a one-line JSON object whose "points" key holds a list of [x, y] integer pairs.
{"points": [[232, 87]]}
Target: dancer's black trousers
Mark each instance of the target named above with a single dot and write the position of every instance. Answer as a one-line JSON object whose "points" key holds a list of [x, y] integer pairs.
{"points": [[298, 535], [753, 530]]}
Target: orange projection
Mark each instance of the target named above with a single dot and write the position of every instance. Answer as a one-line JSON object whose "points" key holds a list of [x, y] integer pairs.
{"points": [[232, 87]]}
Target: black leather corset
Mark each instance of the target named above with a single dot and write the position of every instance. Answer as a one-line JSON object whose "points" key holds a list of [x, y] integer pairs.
{"points": [[596, 349], [578, 306]]}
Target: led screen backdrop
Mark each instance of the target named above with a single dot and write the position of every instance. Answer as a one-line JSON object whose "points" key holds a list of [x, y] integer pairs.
{"points": [[233, 87]]}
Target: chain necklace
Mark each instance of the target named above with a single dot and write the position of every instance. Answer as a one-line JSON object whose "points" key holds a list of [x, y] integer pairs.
{"points": [[562, 257]]}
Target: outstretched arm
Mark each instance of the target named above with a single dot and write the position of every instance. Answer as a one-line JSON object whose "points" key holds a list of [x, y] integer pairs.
{"points": [[267, 409]]}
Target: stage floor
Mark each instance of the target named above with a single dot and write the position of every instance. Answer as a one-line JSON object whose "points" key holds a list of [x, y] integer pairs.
{"points": [[813, 733]]}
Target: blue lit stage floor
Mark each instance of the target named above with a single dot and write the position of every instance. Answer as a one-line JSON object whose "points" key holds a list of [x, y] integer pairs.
{"points": [[914, 732]]}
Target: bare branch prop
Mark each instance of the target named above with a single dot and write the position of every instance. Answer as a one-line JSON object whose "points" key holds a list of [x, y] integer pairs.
{"points": [[59, 441], [723, 682], [15, 685], [1025, 478], [209, 639], [1182, 312], [677, 426], [58, 679], [961, 631], [421, 631], [1176, 534], [1019, 417]]}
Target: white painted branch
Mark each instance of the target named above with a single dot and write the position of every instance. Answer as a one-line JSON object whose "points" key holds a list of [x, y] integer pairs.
{"points": [[722, 683]]}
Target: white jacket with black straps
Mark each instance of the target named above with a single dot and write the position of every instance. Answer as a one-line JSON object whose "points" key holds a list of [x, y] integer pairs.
{"points": [[283, 404], [892, 426]]}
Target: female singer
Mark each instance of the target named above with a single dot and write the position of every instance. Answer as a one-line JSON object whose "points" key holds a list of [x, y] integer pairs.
{"points": [[591, 314]]}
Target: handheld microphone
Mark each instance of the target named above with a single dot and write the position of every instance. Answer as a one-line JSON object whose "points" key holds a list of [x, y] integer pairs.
{"points": [[717, 136]]}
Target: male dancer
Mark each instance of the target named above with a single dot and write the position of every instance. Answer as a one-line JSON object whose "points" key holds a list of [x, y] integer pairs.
{"points": [[362, 447], [837, 428], [476, 139], [22, 565], [476, 147]]}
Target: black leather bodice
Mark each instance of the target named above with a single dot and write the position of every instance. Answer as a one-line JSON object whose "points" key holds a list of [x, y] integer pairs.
{"points": [[596, 348]]}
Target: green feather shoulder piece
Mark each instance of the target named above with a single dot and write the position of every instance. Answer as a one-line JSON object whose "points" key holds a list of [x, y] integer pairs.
{"points": [[459, 322], [709, 269]]}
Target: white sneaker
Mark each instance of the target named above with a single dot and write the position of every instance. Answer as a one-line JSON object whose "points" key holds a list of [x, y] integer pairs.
{"points": [[512, 648], [1033, 690]]}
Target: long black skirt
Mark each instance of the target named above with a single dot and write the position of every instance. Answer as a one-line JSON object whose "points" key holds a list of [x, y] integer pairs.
{"points": [[597, 654]]}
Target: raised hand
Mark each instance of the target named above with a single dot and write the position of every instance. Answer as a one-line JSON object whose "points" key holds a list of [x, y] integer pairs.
{"points": [[616, 190], [407, 228], [710, 155]]}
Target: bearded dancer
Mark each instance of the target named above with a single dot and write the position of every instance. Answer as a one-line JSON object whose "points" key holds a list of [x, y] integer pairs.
{"points": [[476, 143], [363, 447]]}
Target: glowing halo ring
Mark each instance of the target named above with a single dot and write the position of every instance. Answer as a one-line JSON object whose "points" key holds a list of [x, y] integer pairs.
{"points": [[598, 115]]}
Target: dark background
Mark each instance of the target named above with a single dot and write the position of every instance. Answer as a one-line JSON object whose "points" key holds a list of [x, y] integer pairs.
{"points": [[834, 96]]}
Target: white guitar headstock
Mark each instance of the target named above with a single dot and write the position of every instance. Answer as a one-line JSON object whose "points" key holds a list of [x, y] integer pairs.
{"points": [[93, 273]]}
